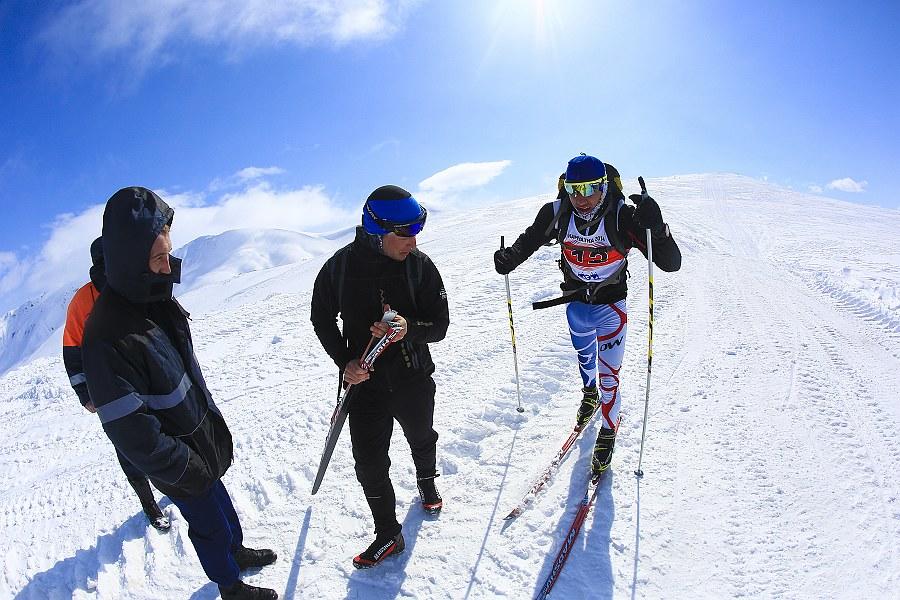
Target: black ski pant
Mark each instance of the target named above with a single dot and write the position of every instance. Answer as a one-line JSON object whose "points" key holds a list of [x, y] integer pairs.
{"points": [[371, 417], [131, 471]]}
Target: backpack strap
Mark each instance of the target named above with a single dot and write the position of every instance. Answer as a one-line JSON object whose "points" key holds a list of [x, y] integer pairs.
{"points": [[562, 208], [612, 230], [337, 271], [414, 276]]}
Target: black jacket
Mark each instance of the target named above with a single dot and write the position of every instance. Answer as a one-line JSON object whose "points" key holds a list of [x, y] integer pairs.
{"points": [[142, 374], [666, 254], [413, 287]]}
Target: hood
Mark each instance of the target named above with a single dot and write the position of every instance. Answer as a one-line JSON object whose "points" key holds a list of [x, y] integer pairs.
{"points": [[132, 220], [98, 270]]}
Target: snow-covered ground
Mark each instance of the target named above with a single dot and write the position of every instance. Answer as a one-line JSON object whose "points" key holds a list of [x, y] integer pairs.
{"points": [[773, 446]]}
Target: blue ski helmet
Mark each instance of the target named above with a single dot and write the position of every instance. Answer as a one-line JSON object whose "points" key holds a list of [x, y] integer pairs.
{"points": [[391, 208], [585, 168]]}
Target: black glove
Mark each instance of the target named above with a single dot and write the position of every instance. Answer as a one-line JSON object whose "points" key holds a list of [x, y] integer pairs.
{"points": [[504, 260], [647, 214]]}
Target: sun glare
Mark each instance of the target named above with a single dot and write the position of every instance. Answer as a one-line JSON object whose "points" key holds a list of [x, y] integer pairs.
{"points": [[525, 30]]}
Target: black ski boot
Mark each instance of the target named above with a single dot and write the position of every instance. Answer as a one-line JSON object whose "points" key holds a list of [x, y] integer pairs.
{"points": [[431, 499], [242, 591], [589, 404], [381, 548], [248, 558], [154, 513], [603, 451]]}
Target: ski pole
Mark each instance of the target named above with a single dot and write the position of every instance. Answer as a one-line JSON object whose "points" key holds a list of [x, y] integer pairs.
{"points": [[512, 333], [639, 473]]}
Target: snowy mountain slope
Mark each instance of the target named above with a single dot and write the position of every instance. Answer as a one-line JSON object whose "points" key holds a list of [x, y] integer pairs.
{"points": [[24, 329], [772, 451], [35, 328], [216, 258]]}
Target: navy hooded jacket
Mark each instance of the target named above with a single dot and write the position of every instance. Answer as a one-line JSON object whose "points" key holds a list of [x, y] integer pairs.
{"points": [[139, 362]]}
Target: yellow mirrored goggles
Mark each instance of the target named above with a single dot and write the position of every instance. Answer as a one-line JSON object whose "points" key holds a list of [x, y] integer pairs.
{"points": [[586, 188]]}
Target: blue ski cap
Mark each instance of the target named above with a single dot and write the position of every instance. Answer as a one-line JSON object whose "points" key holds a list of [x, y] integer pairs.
{"points": [[392, 205], [584, 168]]}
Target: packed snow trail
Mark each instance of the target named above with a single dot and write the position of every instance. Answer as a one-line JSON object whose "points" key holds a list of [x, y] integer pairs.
{"points": [[771, 460]]}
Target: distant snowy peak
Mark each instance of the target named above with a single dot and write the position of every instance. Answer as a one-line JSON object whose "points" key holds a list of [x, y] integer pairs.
{"points": [[33, 329], [24, 329], [216, 258]]}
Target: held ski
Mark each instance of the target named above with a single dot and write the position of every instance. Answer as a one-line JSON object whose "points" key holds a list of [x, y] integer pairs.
{"points": [[584, 507], [340, 411], [547, 473]]}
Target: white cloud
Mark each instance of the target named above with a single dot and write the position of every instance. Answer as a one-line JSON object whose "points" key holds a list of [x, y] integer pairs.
{"points": [[446, 186], [260, 207], [257, 172], [149, 33], [65, 258], [241, 178], [848, 184], [7, 259], [463, 176]]}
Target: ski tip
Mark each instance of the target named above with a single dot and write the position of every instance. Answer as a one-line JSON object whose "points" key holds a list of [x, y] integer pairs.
{"points": [[515, 513]]}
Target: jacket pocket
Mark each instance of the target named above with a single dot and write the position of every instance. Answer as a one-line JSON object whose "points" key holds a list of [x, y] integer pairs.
{"points": [[196, 478]]}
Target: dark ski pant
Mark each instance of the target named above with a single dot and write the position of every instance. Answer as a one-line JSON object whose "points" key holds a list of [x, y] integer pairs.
{"points": [[372, 414], [140, 484], [215, 531], [131, 471]]}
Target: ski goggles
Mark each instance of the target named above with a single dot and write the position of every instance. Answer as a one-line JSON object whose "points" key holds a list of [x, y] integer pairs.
{"points": [[585, 189], [410, 229]]}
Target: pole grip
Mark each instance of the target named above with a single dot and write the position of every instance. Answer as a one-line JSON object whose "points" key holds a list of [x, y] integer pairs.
{"points": [[643, 188], [502, 245]]}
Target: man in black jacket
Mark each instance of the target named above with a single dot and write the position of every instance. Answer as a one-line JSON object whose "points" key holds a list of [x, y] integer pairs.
{"points": [[596, 230], [145, 383], [77, 313], [382, 270]]}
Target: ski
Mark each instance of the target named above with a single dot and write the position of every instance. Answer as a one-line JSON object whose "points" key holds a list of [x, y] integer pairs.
{"points": [[340, 411], [547, 474], [584, 508]]}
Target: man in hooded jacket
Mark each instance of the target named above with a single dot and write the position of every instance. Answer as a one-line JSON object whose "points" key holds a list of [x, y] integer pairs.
{"points": [[80, 307], [145, 383]]}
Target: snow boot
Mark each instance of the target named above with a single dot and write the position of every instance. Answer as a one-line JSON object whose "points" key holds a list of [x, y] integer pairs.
{"points": [[589, 404], [154, 513], [431, 499], [248, 558], [603, 451], [381, 548], [242, 591]]}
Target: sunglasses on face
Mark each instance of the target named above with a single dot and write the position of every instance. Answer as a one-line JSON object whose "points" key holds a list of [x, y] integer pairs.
{"points": [[409, 229], [585, 189]]}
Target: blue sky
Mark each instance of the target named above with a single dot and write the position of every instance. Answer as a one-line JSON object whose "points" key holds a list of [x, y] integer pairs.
{"points": [[258, 113]]}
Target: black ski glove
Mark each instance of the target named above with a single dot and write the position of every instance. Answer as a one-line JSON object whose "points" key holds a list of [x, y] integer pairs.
{"points": [[504, 260], [647, 214]]}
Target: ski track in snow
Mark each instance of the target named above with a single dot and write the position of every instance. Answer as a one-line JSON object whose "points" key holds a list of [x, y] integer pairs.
{"points": [[770, 463]]}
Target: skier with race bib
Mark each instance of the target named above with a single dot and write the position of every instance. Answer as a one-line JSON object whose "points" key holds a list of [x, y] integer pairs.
{"points": [[596, 229]]}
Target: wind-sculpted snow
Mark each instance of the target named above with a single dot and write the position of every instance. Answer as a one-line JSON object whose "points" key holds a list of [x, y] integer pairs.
{"points": [[772, 447]]}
